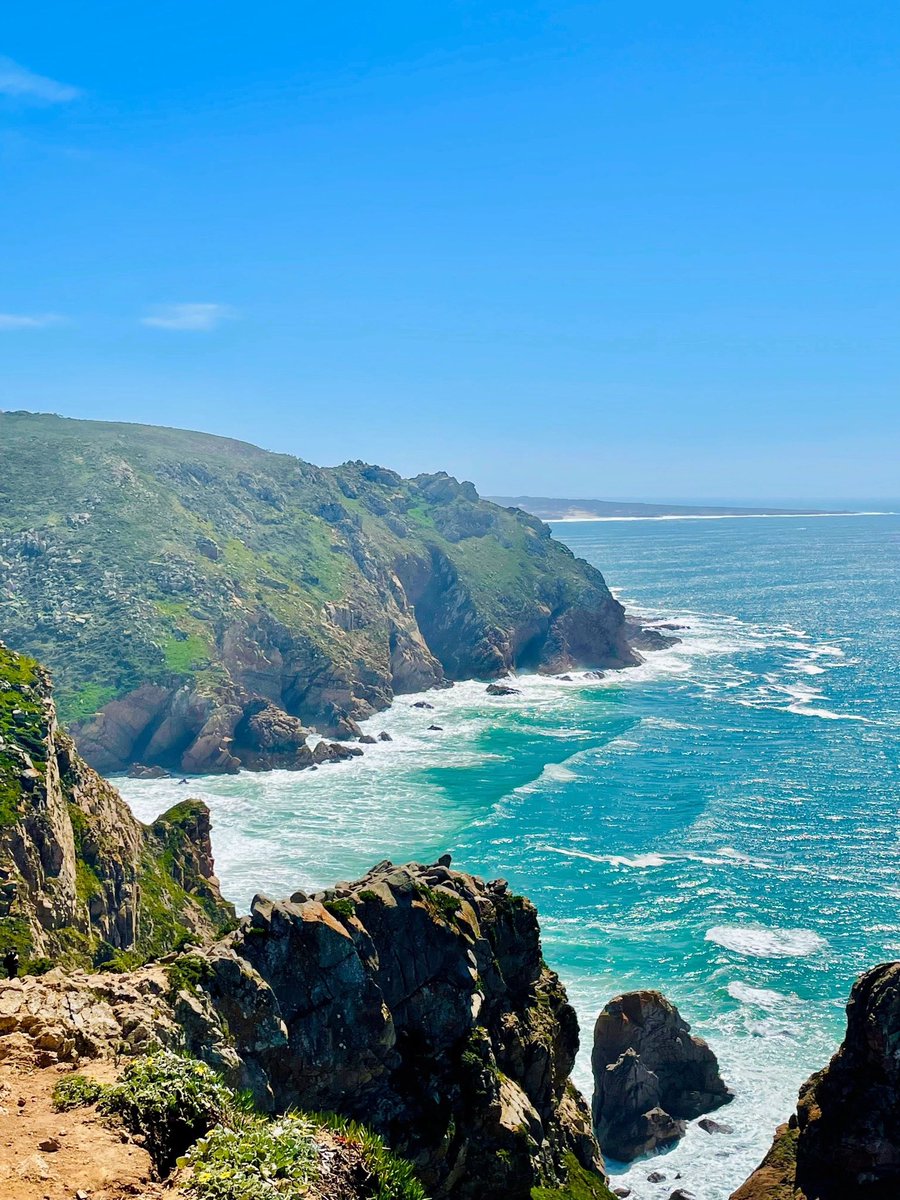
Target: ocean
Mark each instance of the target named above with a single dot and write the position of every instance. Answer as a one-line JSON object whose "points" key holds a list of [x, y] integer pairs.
{"points": [[720, 823]]}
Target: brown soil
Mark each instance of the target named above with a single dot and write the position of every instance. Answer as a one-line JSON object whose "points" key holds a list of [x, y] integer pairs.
{"points": [[95, 1160]]}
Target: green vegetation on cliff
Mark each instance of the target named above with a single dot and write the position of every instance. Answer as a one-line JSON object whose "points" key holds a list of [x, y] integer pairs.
{"points": [[184, 1113], [217, 572], [81, 880]]}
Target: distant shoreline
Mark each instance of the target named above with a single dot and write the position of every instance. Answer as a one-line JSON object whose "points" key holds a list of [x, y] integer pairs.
{"points": [[719, 517]]}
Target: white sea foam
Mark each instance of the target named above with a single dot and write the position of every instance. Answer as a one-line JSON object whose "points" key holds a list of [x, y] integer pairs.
{"points": [[638, 861], [558, 773], [766, 998], [760, 941]]}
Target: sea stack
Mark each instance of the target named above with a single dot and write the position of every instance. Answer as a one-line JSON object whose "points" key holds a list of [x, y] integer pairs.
{"points": [[651, 1075]]}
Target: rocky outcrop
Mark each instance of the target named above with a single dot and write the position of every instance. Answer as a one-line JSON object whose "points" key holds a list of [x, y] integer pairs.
{"points": [[80, 878], [274, 597], [415, 998], [651, 1075], [844, 1139]]}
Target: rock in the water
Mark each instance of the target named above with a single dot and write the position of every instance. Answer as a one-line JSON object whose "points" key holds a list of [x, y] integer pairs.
{"points": [[650, 1075], [650, 637], [142, 771], [422, 704], [366, 739], [656, 1177], [435, 728], [501, 689], [708, 1125], [384, 736], [682, 1194], [844, 1139]]}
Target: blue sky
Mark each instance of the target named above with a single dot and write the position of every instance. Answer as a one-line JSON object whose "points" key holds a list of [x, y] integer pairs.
{"points": [[580, 249]]}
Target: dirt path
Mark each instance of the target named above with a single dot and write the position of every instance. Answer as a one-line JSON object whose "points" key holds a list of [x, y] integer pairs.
{"points": [[46, 1155]]}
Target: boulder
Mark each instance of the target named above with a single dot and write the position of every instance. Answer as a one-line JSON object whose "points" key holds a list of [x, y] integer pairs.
{"points": [[384, 736], [421, 704], [708, 1125], [501, 689], [651, 1075]]}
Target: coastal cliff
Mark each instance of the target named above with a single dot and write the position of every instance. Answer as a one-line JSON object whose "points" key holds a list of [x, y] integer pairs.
{"points": [[203, 602], [80, 878], [844, 1139], [415, 999]]}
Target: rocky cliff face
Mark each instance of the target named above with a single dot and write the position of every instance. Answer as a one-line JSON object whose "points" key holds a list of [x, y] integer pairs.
{"points": [[80, 878], [203, 602], [415, 999], [844, 1139], [651, 1075]]}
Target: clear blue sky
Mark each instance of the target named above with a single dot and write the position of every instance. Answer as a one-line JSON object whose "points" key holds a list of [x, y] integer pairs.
{"points": [[636, 251]]}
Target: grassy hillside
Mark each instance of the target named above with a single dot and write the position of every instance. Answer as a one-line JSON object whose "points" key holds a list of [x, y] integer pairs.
{"points": [[133, 555]]}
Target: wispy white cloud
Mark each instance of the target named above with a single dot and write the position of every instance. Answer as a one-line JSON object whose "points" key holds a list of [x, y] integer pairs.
{"points": [[22, 84], [195, 317], [9, 321]]}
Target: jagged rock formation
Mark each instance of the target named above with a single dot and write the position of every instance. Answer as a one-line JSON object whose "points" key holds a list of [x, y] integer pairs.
{"points": [[80, 878], [202, 602], [415, 998], [651, 1075], [844, 1139]]}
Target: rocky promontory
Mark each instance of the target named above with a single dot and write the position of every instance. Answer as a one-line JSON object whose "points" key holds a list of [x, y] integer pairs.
{"points": [[415, 999], [651, 1075], [204, 603], [844, 1139]]}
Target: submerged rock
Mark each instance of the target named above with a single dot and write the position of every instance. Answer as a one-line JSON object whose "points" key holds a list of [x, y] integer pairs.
{"points": [[651, 1075], [501, 689]]}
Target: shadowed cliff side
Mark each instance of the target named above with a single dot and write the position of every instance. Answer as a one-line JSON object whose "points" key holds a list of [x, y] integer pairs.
{"points": [[844, 1139], [80, 877], [202, 602]]}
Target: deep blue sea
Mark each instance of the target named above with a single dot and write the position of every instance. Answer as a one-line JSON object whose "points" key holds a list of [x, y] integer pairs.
{"points": [[721, 822]]}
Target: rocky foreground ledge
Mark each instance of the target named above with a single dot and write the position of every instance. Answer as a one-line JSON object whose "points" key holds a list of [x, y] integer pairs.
{"points": [[415, 999]]}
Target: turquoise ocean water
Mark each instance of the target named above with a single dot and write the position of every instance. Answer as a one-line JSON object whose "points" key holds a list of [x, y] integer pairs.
{"points": [[721, 823]]}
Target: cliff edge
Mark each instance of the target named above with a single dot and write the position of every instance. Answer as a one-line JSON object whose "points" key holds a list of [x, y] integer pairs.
{"points": [[81, 880]]}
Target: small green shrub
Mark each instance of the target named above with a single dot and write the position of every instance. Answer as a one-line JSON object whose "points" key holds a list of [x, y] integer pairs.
{"points": [[390, 1177], [76, 1091], [441, 903], [281, 1159], [186, 974], [344, 908], [255, 1160], [171, 1101], [581, 1184]]}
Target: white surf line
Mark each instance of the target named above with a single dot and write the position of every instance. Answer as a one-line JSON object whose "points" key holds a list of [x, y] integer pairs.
{"points": [[717, 517]]}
